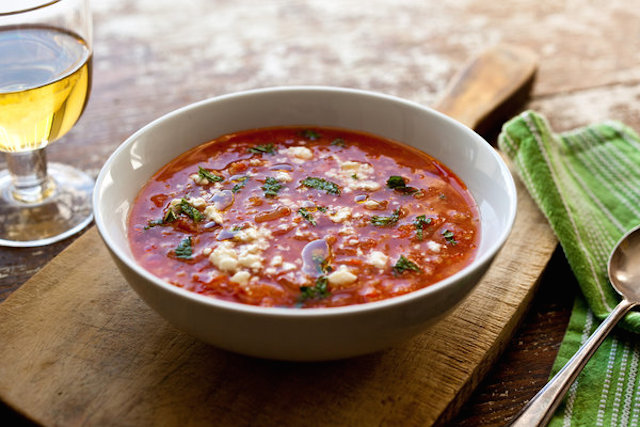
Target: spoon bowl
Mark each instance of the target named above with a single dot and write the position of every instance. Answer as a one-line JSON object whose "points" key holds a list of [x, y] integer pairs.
{"points": [[624, 266], [623, 269]]}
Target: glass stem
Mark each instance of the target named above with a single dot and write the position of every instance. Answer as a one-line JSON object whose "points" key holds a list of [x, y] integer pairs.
{"points": [[28, 171]]}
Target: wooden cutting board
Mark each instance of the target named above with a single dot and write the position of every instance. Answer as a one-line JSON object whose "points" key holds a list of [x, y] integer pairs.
{"points": [[79, 347]]}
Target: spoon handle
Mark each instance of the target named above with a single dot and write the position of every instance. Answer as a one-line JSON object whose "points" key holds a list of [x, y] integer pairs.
{"points": [[541, 407]]}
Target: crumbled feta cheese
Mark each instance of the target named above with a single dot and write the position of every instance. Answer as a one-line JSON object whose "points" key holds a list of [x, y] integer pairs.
{"points": [[288, 266], [255, 162], [352, 166], [360, 169], [346, 230], [249, 260], [199, 179], [174, 203], [276, 260], [213, 214], [305, 234], [342, 276], [250, 234], [291, 277], [302, 153], [434, 246], [283, 176], [197, 202], [244, 251], [354, 171], [207, 251], [377, 259], [253, 248], [241, 277], [331, 173], [229, 259], [365, 185], [373, 205], [224, 257], [341, 214], [355, 176]]}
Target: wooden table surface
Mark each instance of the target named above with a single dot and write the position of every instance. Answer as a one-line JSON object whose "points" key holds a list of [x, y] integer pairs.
{"points": [[151, 56]]}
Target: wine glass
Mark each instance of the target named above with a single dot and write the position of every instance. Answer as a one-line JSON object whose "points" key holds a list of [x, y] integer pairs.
{"points": [[45, 80]]}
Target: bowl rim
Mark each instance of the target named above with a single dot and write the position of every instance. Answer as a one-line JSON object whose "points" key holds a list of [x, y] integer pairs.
{"points": [[291, 312]]}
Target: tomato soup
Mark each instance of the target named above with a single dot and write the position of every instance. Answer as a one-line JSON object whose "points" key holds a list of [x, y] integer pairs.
{"points": [[303, 217]]}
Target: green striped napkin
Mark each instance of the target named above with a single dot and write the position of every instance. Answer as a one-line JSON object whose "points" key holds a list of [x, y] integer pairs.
{"points": [[606, 392], [587, 183]]}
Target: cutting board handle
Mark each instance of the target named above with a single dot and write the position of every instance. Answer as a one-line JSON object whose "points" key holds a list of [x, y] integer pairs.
{"points": [[488, 88]]}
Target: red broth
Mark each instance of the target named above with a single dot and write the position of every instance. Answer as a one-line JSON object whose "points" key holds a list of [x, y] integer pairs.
{"points": [[303, 217]]}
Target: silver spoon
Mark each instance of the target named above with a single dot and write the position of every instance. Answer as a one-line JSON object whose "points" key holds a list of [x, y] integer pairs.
{"points": [[624, 274]]}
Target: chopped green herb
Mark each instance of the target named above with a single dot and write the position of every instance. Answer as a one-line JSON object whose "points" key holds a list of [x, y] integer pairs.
{"points": [[190, 211], [449, 237], [338, 142], [240, 184], [319, 290], [442, 196], [397, 183], [263, 149], [420, 222], [184, 250], [355, 176], [307, 215], [271, 187], [153, 223], [384, 221], [208, 175], [310, 134], [321, 184], [321, 208], [322, 264], [170, 216], [403, 264]]}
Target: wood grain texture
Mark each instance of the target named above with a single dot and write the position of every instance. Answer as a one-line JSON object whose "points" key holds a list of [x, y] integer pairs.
{"points": [[81, 348], [489, 89], [524, 367]]}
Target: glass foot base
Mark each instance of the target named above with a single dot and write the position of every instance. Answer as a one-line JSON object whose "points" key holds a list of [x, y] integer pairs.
{"points": [[66, 211]]}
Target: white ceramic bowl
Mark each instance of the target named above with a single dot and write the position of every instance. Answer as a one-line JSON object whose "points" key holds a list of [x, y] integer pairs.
{"points": [[304, 334]]}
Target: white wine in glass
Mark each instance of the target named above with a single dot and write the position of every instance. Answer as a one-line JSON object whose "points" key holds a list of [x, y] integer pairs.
{"points": [[45, 81]]}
